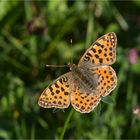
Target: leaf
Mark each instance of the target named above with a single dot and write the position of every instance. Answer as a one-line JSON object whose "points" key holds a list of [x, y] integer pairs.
{"points": [[55, 110], [42, 122], [108, 99], [4, 134], [5, 7], [97, 110]]}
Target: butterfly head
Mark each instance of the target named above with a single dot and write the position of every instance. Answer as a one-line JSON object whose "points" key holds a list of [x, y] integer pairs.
{"points": [[72, 66]]}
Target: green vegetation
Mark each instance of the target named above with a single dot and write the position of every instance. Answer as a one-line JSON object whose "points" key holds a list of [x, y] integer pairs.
{"points": [[36, 33]]}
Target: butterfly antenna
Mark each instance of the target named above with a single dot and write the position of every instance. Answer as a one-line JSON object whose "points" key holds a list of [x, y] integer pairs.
{"points": [[71, 59], [60, 66]]}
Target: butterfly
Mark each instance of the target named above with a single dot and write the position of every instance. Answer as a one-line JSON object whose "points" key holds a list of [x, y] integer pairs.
{"points": [[88, 81]]}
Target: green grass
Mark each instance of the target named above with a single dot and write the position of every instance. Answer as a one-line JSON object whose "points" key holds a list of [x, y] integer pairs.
{"points": [[36, 33]]}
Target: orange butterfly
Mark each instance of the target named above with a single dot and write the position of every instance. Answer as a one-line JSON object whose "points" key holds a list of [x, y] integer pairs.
{"points": [[84, 85]]}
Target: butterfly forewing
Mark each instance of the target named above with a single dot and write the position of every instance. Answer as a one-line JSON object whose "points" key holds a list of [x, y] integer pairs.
{"points": [[102, 51], [57, 94]]}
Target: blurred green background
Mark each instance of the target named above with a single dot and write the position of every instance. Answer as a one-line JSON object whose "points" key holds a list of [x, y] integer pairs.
{"points": [[36, 33]]}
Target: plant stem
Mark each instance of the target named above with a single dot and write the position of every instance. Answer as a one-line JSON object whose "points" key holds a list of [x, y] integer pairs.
{"points": [[66, 124]]}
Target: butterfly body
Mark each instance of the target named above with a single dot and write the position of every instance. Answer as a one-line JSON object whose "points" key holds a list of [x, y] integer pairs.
{"points": [[87, 82]]}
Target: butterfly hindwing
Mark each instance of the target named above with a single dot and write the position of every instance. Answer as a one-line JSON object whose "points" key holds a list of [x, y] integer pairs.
{"points": [[83, 102], [107, 80]]}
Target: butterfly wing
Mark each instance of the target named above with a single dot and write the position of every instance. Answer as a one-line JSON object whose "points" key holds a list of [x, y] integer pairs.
{"points": [[107, 79], [102, 51], [57, 94], [83, 102], [86, 102]]}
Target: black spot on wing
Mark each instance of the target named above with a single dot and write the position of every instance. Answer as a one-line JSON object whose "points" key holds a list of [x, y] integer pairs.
{"points": [[66, 93], [93, 49], [96, 55], [56, 85], [57, 91]]}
